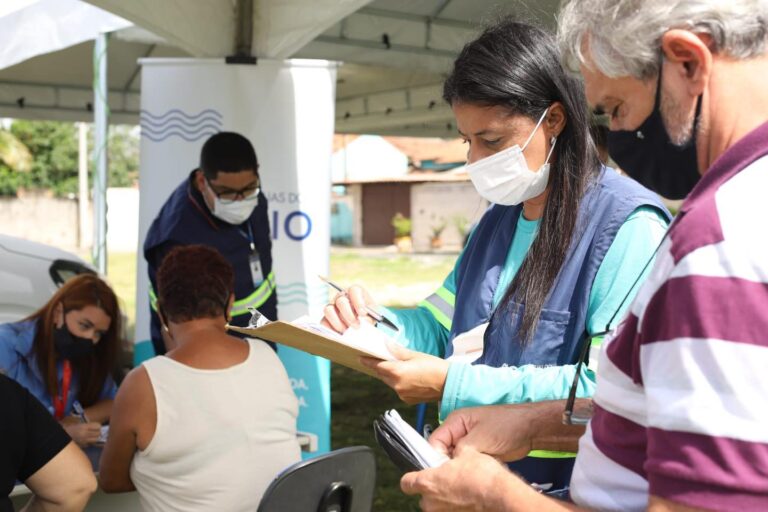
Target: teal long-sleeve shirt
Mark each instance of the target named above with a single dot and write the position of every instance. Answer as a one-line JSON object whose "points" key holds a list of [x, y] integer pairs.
{"points": [[470, 385]]}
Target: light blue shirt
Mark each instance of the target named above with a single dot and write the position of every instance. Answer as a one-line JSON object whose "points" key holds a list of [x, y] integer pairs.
{"points": [[18, 362], [471, 385]]}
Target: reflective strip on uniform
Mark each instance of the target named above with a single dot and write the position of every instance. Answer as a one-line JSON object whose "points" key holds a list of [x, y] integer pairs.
{"points": [[257, 298], [546, 454], [152, 298], [441, 305]]}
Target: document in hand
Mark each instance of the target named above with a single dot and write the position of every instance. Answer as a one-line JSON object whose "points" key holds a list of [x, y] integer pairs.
{"points": [[404, 446], [310, 336]]}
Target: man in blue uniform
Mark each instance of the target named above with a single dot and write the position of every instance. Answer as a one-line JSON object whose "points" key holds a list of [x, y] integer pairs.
{"points": [[220, 205]]}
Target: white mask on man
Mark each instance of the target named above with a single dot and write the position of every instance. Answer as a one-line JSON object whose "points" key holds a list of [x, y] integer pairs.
{"points": [[235, 212], [504, 177]]}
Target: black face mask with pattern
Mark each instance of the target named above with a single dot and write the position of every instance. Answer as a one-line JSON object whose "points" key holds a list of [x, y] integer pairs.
{"points": [[648, 155], [71, 347]]}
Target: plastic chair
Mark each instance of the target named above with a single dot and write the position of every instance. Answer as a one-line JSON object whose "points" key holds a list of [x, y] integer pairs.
{"points": [[340, 481]]}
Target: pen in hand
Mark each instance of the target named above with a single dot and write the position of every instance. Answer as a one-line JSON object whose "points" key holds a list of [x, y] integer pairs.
{"points": [[79, 411], [378, 317]]}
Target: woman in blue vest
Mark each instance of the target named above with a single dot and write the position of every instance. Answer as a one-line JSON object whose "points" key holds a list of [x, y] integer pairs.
{"points": [[550, 264], [65, 352]]}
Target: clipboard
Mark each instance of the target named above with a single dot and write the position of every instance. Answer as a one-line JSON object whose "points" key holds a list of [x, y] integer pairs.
{"points": [[342, 349]]}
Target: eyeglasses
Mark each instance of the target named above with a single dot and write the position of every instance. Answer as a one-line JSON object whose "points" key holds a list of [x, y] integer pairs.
{"points": [[229, 196], [584, 414]]}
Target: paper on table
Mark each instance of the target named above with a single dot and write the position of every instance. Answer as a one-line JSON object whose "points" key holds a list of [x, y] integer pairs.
{"points": [[421, 449]]}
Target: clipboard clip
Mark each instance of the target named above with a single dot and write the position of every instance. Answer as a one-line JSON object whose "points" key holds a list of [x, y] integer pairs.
{"points": [[257, 319]]}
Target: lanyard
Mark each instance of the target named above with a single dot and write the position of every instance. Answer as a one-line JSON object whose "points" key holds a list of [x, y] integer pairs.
{"points": [[249, 235], [60, 402]]}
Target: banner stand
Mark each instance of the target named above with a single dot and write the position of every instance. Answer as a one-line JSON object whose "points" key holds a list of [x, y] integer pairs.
{"points": [[286, 109]]}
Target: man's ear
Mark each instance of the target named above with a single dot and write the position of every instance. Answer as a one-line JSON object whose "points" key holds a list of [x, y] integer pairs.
{"points": [[689, 56]]}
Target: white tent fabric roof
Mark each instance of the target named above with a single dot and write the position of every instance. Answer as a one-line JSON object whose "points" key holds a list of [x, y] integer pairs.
{"points": [[396, 54], [35, 27]]}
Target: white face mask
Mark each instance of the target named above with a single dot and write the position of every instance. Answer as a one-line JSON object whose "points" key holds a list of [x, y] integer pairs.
{"points": [[504, 177], [234, 212]]}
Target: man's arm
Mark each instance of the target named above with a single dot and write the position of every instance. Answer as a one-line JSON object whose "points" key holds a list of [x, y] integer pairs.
{"points": [[473, 481], [65, 483], [509, 432]]}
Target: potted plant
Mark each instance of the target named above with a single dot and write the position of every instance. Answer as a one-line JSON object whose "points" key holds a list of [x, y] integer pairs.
{"points": [[437, 229], [461, 223], [402, 225]]}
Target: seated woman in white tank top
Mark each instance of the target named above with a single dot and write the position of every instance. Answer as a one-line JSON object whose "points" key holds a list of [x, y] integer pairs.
{"points": [[209, 425]]}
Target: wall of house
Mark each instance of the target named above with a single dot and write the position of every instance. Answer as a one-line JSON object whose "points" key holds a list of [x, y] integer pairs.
{"points": [[433, 204]]}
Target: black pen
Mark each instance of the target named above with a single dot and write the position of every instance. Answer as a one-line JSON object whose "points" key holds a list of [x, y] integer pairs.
{"points": [[369, 310]]}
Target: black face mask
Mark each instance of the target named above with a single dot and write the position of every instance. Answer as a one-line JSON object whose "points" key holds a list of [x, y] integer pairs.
{"points": [[69, 346], [648, 156]]}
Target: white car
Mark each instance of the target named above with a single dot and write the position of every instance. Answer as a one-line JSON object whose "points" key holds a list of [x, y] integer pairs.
{"points": [[30, 273]]}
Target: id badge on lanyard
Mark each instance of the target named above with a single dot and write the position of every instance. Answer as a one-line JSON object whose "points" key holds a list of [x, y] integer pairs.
{"points": [[254, 263], [254, 260]]}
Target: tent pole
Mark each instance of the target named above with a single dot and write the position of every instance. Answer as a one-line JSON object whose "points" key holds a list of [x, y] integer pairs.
{"points": [[82, 180], [100, 123]]}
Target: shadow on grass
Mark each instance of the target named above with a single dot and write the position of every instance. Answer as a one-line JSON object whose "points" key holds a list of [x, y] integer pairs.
{"points": [[356, 400]]}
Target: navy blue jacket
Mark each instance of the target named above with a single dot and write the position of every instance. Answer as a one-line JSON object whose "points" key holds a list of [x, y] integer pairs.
{"points": [[185, 219]]}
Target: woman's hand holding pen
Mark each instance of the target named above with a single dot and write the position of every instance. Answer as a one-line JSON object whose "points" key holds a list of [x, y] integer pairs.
{"points": [[416, 377], [84, 434], [347, 309]]}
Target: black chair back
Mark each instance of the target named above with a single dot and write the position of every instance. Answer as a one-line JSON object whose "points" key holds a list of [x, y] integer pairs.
{"points": [[340, 481]]}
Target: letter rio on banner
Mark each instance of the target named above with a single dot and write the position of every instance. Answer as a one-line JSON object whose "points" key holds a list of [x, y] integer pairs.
{"points": [[286, 109]]}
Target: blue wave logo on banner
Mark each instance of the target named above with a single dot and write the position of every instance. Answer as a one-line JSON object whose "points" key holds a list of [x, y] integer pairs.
{"points": [[177, 123], [299, 293]]}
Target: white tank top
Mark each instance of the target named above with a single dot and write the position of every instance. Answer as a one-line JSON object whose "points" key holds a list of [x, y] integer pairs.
{"points": [[221, 437]]}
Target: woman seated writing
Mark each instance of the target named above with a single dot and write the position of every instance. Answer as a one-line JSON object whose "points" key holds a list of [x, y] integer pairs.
{"points": [[211, 423], [64, 355]]}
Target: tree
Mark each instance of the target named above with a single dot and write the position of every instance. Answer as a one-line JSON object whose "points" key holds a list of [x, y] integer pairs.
{"points": [[54, 150], [51, 160]]}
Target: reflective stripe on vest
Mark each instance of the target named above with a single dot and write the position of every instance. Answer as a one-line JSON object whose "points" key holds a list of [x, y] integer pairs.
{"points": [[440, 304], [152, 298], [546, 454], [240, 307], [257, 298]]}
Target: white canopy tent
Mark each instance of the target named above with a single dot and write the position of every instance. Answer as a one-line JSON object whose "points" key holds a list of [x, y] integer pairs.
{"points": [[396, 52]]}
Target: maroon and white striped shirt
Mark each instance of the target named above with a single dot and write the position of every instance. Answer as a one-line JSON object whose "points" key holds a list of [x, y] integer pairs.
{"points": [[681, 405]]}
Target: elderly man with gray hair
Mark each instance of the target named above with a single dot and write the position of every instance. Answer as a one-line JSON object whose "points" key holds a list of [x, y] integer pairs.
{"points": [[680, 417]]}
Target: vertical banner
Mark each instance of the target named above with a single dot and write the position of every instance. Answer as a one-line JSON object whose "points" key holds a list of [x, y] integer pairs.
{"points": [[286, 109]]}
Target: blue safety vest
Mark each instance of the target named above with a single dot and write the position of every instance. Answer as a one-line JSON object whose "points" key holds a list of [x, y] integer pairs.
{"points": [[562, 329], [185, 219]]}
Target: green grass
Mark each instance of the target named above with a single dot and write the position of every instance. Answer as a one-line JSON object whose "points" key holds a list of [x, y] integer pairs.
{"points": [[356, 399]]}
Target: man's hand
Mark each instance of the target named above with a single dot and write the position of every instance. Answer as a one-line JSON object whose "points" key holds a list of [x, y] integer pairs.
{"points": [[472, 481], [416, 377], [507, 432]]}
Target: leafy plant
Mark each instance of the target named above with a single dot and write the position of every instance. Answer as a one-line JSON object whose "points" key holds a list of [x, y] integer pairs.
{"points": [[461, 223], [402, 225], [437, 229]]}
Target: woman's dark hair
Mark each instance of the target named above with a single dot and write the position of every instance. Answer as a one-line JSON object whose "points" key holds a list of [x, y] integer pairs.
{"points": [[194, 281], [517, 66], [92, 371]]}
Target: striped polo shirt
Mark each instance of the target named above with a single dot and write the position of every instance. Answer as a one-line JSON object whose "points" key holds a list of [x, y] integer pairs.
{"points": [[681, 405]]}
